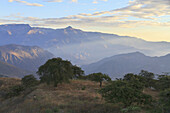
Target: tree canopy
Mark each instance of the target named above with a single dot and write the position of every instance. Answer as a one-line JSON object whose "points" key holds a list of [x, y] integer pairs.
{"points": [[98, 77], [128, 93], [29, 81], [57, 71]]}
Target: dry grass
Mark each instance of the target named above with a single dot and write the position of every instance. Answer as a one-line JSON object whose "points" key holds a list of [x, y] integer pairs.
{"points": [[153, 93], [8, 82], [78, 96]]}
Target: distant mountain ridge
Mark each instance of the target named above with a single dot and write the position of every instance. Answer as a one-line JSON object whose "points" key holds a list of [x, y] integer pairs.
{"points": [[76, 45], [11, 71], [119, 65], [24, 57]]}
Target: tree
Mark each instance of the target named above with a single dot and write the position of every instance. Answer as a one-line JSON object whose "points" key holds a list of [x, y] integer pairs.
{"points": [[125, 92], [131, 77], [78, 72], [163, 82], [165, 100], [149, 78], [98, 77], [29, 81], [56, 71], [138, 81], [147, 74]]}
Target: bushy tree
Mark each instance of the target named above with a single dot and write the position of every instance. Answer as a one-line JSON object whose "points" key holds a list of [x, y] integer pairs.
{"points": [[128, 93], [165, 101], [136, 80], [15, 91], [29, 81], [1, 83], [147, 74], [78, 72], [57, 71], [98, 77], [131, 77], [163, 82], [148, 78]]}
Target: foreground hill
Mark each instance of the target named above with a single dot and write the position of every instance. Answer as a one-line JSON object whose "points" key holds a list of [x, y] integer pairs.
{"points": [[79, 46], [11, 71], [24, 57], [75, 97], [78, 96], [119, 65]]}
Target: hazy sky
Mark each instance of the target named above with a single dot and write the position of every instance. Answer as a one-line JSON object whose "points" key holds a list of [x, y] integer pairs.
{"points": [[147, 19]]}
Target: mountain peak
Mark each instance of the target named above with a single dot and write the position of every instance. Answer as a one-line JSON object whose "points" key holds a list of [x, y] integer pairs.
{"points": [[137, 53], [69, 27], [16, 25]]}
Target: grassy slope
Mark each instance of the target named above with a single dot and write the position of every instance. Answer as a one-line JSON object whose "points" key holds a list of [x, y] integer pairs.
{"points": [[67, 98]]}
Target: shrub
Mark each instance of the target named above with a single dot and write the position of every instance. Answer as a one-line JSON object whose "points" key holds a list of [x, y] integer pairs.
{"points": [[53, 110], [98, 77], [128, 93], [15, 91], [1, 83], [83, 88], [131, 109], [163, 82], [29, 81], [165, 100]]}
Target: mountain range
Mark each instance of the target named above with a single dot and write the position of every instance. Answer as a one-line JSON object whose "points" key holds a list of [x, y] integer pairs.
{"points": [[20, 60], [119, 65], [80, 47], [11, 71]]}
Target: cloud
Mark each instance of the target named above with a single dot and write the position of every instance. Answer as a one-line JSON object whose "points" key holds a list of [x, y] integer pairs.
{"points": [[53, 0], [96, 1], [146, 11], [59, 0], [26, 3], [79, 20], [74, 0]]}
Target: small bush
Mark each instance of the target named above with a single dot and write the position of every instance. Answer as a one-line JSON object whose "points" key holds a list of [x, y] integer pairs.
{"points": [[15, 91], [83, 88], [1, 83], [54, 110], [131, 109], [29, 81], [49, 111]]}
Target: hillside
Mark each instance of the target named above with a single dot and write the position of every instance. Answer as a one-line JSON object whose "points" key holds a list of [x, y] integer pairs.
{"points": [[11, 71], [78, 96], [66, 98], [81, 47], [24, 57], [119, 65]]}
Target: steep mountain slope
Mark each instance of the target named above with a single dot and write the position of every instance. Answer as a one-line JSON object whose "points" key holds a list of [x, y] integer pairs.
{"points": [[76, 45], [119, 65], [24, 57], [11, 71]]}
